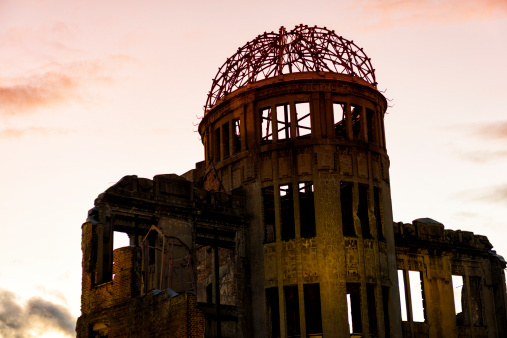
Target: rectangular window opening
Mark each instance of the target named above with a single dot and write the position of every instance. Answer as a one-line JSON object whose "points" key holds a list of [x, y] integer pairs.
{"points": [[292, 310], [346, 208], [378, 214], [120, 240], [362, 211], [225, 139], [217, 155], [209, 293], [283, 121], [403, 296], [307, 209], [313, 315], [385, 308], [303, 121], [354, 307], [266, 125], [459, 297], [273, 312], [356, 121], [340, 128], [372, 309], [417, 296], [287, 212], [268, 198], [236, 133]]}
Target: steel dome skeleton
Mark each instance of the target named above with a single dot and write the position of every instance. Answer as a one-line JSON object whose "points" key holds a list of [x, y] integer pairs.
{"points": [[303, 49]]}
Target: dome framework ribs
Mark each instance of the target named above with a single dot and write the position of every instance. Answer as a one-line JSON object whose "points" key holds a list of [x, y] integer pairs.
{"points": [[303, 49]]}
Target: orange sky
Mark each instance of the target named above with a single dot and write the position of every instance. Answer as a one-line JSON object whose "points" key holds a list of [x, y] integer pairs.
{"points": [[91, 91]]}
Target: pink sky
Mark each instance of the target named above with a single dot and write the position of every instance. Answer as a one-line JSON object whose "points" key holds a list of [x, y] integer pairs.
{"points": [[91, 91]]}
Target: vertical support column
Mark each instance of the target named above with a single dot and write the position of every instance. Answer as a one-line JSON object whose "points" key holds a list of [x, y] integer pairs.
{"points": [[274, 123], [364, 127], [348, 121], [301, 296], [327, 117], [242, 128], [217, 285], [293, 120]]}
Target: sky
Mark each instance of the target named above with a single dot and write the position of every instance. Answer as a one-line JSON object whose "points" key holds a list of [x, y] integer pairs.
{"points": [[91, 91]]}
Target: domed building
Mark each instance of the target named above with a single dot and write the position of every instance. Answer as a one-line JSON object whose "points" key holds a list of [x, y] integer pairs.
{"points": [[285, 229]]}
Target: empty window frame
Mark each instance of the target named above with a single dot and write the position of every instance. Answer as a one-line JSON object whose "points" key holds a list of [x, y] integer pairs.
{"points": [[378, 214], [356, 121], [292, 310], [459, 298], [306, 209], [372, 309], [412, 295], [268, 199], [236, 135], [347, 208], [371, 125], [266, 125], [313, 316], [362, 211], [385, 308], [468, 300], [98, 330], [209, 293], [403, 296], [120, 240], [217, 145], [303, 120], [417, 296], [340, 127], [225, 139], [273, 312], [287, 212], [354, 307], [283, 121]]}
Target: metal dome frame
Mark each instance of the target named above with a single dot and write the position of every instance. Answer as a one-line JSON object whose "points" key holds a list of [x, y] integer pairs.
{"points": [[303, 49]]}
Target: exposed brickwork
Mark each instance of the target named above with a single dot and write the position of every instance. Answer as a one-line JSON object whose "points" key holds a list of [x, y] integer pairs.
{"points": [[151, 315]]}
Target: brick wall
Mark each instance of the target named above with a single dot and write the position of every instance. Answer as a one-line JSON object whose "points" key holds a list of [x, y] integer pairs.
{"points": [[151, 315]]}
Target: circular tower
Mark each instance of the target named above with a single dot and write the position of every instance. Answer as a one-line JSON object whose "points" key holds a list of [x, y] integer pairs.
{"points": [[296, 120]]}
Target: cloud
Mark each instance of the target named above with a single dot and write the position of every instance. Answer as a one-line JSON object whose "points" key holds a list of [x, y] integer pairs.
{"points": [[17, 133], [493, 194], [482, 156], [55, 84], [389, 13], [17, 321], [497, 130], [489, 140], [36, 91]]}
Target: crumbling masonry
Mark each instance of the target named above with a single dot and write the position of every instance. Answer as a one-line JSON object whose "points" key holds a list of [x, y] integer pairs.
{"points": [[285, 229]]}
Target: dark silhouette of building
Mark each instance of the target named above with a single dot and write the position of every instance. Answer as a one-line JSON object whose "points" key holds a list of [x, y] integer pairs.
{"points": [[285, 229]]}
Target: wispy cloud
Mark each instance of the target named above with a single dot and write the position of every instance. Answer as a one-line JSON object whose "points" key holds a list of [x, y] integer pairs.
{"points": [[17, 133], [492, 194], [489, 139], [24, 95], [481, 156], [17, 320], [55, 84], [388, 13], [496, 130]]}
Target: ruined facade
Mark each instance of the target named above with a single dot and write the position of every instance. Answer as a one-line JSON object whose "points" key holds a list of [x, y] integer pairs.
{"points": [[285, 229]]}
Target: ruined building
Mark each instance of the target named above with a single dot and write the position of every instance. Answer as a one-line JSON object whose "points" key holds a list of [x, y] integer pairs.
{"points": [[285, 229]]}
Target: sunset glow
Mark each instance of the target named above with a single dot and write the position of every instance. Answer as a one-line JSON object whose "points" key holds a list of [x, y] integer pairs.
{"points": [[91, 91]]}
